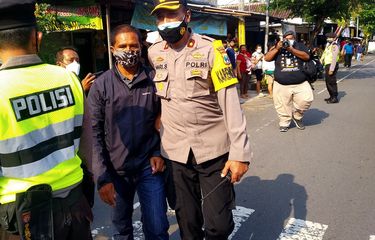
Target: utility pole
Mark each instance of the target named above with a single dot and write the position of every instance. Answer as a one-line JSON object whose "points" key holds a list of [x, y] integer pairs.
{"points": [[267, 29], [357, 27], [241, 25]]}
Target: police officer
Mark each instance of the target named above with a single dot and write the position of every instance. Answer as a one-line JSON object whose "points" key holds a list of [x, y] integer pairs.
{"points": [[203, 130], [41, 120], [329, 59]]}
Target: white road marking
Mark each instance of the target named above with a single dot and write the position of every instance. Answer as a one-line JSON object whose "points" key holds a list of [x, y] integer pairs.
{"points": [[372, 237], [300, 229], [325, 89], [240, 215]]}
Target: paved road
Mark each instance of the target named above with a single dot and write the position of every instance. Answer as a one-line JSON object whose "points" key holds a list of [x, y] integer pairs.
{"points": [[313, 184]]}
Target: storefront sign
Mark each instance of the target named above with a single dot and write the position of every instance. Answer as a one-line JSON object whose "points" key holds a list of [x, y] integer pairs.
{"points": [[70, 18]]}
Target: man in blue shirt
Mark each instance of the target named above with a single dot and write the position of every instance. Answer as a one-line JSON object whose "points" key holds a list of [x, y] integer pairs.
{"points": [[348, 51]]}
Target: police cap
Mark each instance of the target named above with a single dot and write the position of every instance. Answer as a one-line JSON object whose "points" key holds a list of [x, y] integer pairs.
{"points": [[331, 35], [17, 14], [168, 5]]}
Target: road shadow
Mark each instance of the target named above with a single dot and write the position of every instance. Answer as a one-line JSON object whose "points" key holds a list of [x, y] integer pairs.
{"points": [[314, 116], [342, 94], [274, 201]]}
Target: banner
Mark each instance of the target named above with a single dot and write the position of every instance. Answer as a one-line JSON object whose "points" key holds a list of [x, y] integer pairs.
{"points": [[201, 23], [70, 18]]}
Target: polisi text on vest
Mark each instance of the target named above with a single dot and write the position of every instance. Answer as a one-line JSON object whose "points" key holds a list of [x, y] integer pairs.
{"points": [[38, 103]]}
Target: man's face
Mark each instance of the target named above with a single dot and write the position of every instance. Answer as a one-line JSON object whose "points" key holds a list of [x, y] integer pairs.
{"points": [[289, 37], [69, 56], [167, 16], [126, 41]]}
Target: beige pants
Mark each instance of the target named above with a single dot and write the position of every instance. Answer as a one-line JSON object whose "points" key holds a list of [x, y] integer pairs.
{"points": [[291, 101]]}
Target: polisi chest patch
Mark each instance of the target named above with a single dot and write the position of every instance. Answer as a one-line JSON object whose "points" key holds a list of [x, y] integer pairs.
{"points": [[35, 104]]}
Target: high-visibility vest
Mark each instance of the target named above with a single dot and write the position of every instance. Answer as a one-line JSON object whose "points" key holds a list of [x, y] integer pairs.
{"points": [[41, 114], [328, 55]]}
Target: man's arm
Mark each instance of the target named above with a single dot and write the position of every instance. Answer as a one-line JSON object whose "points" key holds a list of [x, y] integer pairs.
{"points": [[235, 122], [335, 52], [225, 86], [271, 54], [100, 153], [299, 53]]}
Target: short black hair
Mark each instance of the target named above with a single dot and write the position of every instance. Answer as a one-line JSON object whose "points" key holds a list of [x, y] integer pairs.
{"points": [[124, 28], [16, 38], [60, 55]]}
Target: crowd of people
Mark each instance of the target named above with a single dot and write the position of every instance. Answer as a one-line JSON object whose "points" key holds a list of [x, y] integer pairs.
{"points": [[172, 131]]}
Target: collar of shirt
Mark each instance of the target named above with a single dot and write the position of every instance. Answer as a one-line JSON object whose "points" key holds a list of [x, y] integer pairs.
{"points": [[21, 61], [139, 76]]}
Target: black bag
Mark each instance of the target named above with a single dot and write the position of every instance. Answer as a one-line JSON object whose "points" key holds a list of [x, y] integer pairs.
{"points": [[310, 70], [34, 213]]}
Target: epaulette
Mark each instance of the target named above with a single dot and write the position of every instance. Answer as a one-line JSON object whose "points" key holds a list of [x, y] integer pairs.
{"points": [[208, 38], [159, 40]]}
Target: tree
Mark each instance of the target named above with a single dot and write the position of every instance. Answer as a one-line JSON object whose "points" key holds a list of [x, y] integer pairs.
{"points": [[366, 14], [316, 11]]}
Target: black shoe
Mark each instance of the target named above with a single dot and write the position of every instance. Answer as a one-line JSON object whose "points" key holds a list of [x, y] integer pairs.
{"points": [[333, 100], [284, 129], [299, 124], [327, 99]]}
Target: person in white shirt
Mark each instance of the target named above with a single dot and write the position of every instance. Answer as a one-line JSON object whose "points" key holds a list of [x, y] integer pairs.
{"points": [[257, 60]]}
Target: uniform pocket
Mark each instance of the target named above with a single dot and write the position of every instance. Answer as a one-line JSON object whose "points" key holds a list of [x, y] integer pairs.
{"points": [[162, 83], [197, 84]]}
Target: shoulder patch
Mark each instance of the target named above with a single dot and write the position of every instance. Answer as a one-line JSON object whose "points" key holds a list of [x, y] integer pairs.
{"points": [[222, 73]]}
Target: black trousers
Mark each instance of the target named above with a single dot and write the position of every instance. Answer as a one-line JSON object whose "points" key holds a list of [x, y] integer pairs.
{"points": [[348, 60], [187, 184], [71, 218], [331, 81]]}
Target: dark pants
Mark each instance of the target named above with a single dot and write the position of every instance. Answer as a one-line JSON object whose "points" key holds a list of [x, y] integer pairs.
{"points": [[348, 60], [331, 81], [187, 183], [151, 193], [244, 81], [71, 217], [258, 74]]}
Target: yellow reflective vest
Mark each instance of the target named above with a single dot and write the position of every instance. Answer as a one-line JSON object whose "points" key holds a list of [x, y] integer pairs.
{"points": [[327, 56], [41, 113]]}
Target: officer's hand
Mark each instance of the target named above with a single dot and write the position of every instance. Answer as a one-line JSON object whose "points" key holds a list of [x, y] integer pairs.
{"points": [[107, 194], [330, 73], [238, 169], [87, 81], [157, 164]]}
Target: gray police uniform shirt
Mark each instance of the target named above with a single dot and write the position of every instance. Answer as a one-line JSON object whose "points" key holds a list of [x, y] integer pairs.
{"points": [[195, 116]]}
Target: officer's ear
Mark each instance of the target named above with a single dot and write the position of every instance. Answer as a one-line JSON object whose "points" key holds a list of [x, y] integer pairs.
{"points": [[188, 16], [36, 39]]}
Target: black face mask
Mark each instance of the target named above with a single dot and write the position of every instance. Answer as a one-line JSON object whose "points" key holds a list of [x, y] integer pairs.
{"points": [[173, 35]]}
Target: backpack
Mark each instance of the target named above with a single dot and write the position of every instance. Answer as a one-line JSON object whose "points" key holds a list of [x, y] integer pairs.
{"points": [[312, 69]]}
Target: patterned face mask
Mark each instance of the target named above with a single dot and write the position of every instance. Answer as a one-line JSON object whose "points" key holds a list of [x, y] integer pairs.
{"points": [[129, 58]]}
